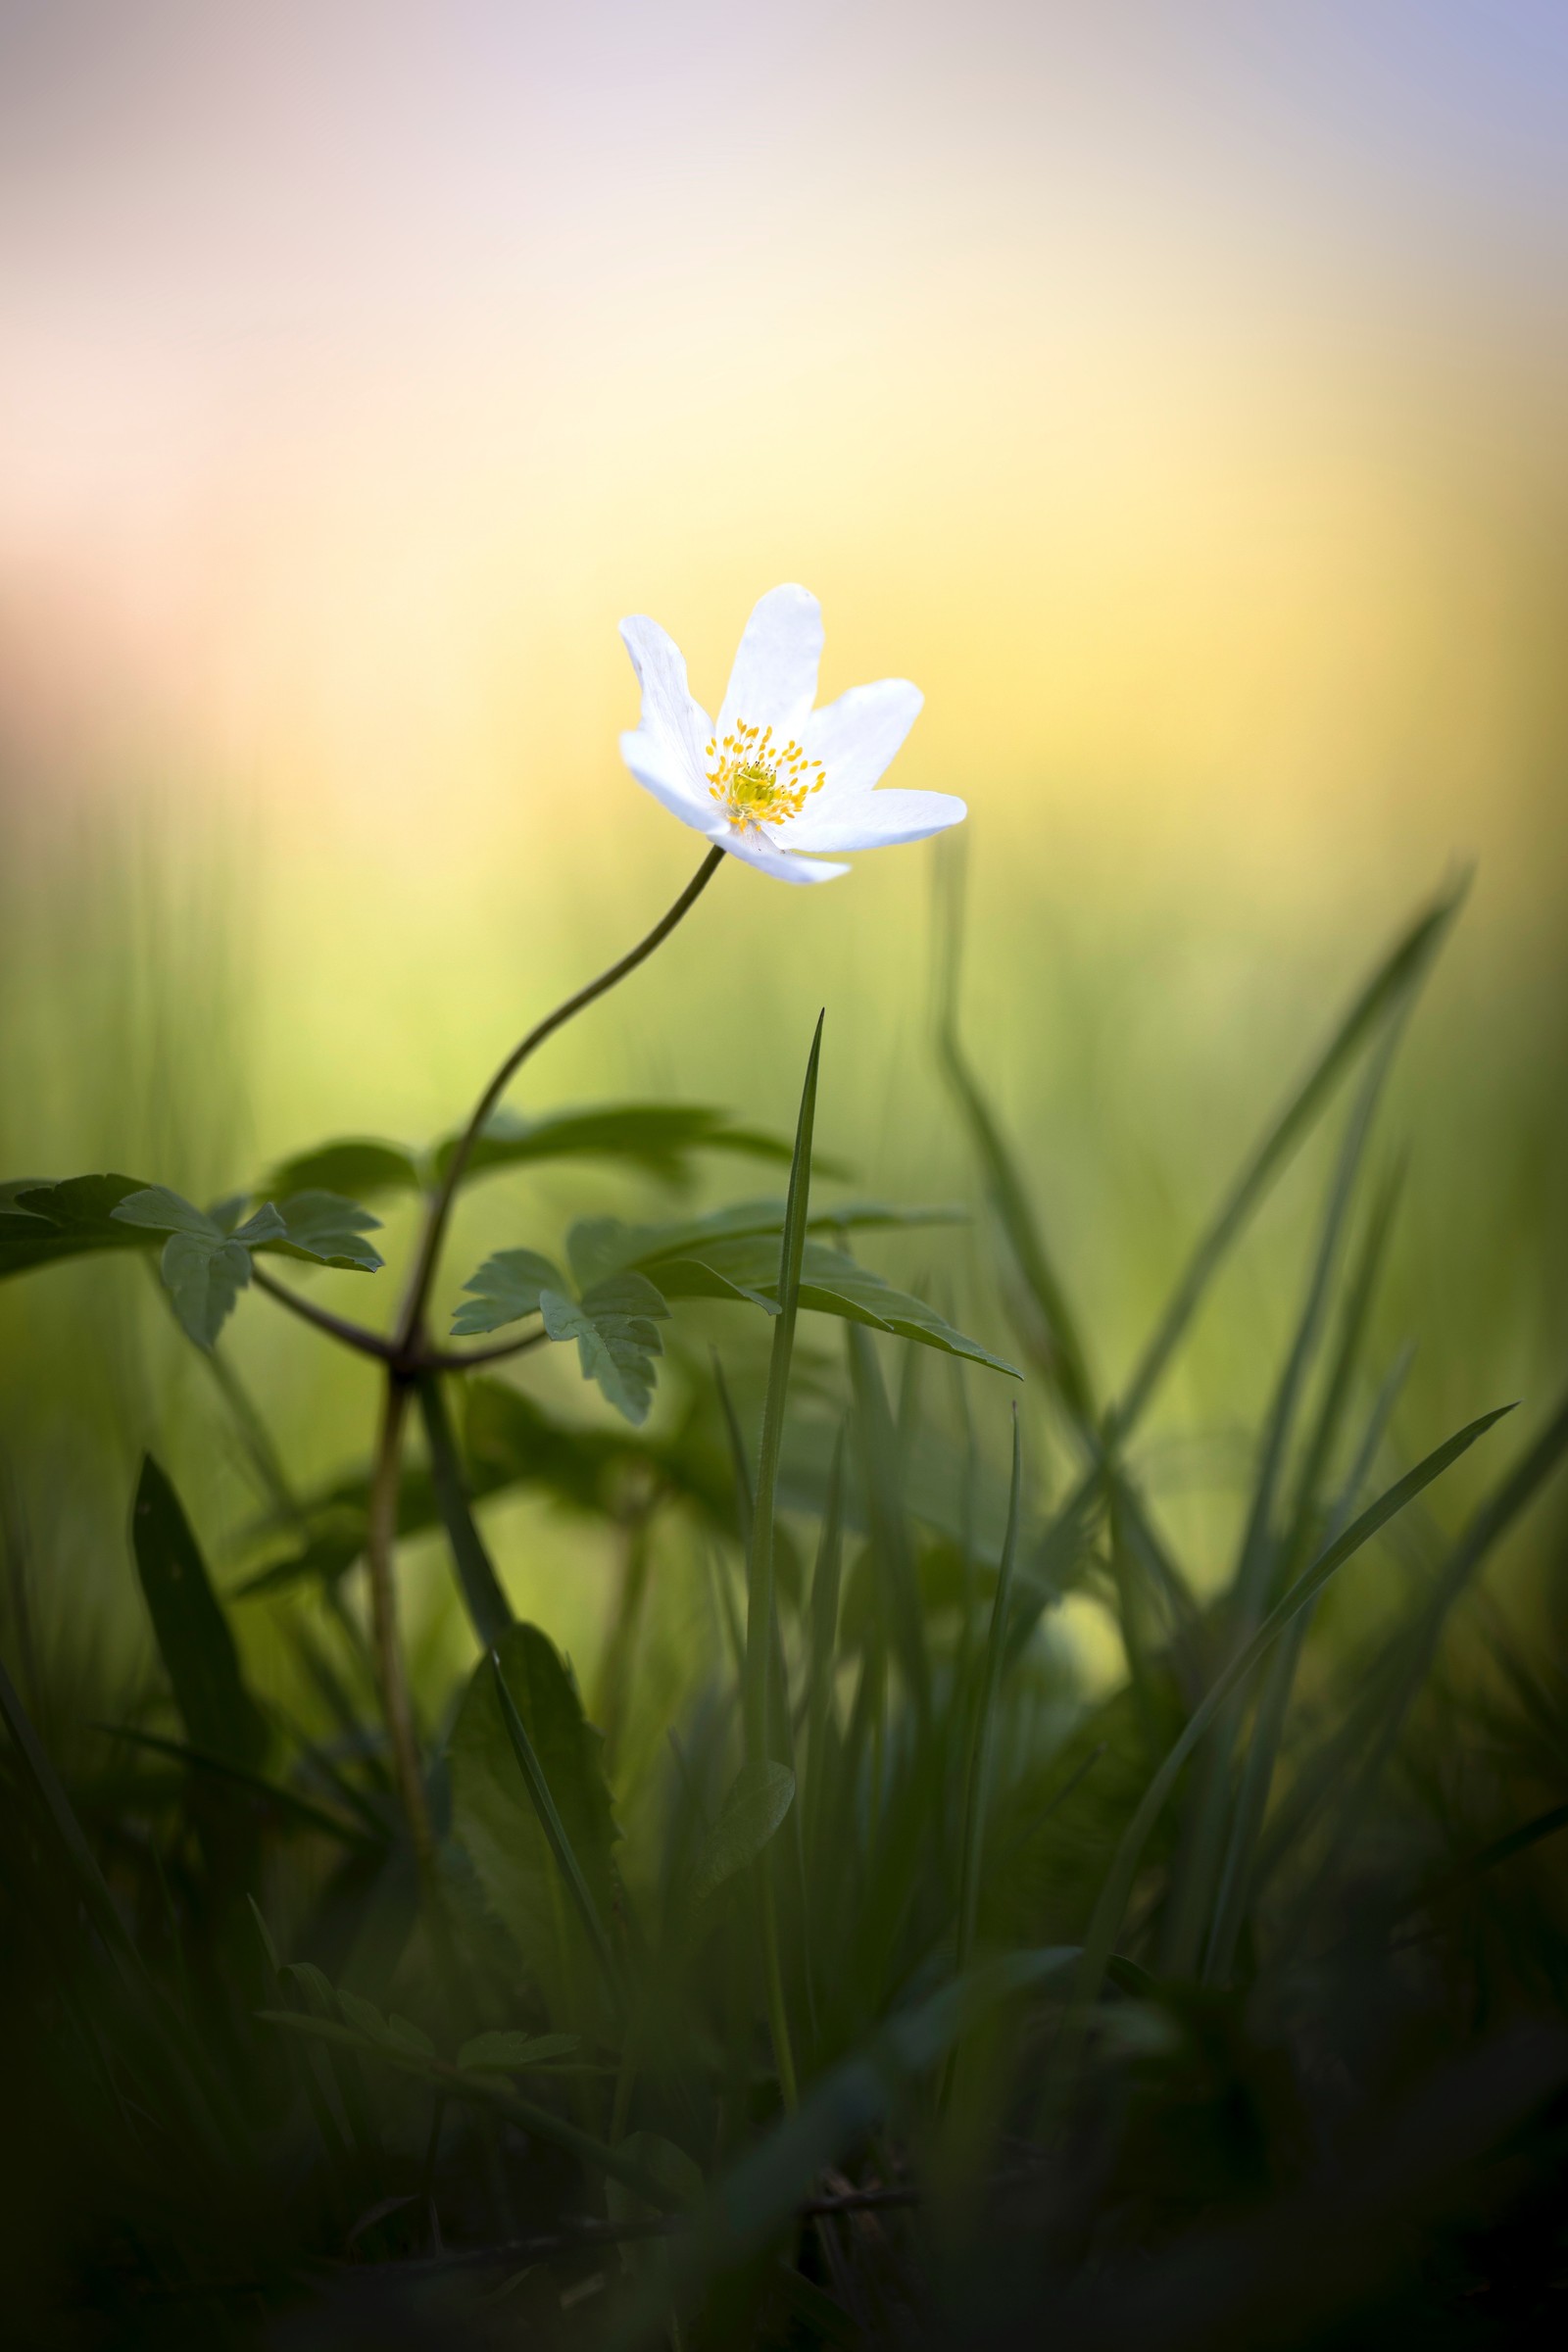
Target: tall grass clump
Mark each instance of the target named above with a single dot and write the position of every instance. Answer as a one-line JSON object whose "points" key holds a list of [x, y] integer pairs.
{"points": [[840, 1965]]}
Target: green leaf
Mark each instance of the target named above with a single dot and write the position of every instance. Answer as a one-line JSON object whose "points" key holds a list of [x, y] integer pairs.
{"points": [[509, 2053], [204, 1274], [607, 1246], [205, 1266], [982, 1738], [326, 1228], [615, 1327], [505, 1288], [752, 1814], [613, 1322], [498, 1825], [537, 1782], [40, 1223], [831, 1284], [734, 1253], [194, 1641], [656, 1136], [164, 1211], [392, 2032], [357, 1168]]}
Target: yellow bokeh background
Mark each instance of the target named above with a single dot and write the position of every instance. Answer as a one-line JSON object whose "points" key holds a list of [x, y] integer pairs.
{"points": [[1174, 392]]}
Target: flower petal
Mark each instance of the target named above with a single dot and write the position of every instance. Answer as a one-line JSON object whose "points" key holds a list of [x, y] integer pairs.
{"points": [[662, 773], [773, 683], [669, 715], [857, 737], [755, 848], [875, 820]]}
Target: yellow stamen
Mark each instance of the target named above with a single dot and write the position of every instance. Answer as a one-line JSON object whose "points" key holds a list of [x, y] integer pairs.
{"points": [[755, 782]]}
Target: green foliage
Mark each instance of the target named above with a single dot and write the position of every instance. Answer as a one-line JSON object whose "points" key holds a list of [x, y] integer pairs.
{"points": [[42, 1223], [613, 1321], [753, 1813], [730, 1254], [497, 1815], [886, 1970], [207, 1258], [221, 1718], [657, 1139]]}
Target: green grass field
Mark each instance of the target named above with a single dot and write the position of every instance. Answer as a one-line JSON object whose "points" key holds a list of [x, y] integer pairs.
{"points": [[1023, 1805]]}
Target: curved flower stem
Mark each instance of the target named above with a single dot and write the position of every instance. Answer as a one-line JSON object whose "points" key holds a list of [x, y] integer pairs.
{"points": [[407, 1354], [380, 1548], [440, 1208], [339, 1327]]}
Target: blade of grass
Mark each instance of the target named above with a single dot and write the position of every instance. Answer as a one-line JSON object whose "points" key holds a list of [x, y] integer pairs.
{"points": [[760, 1606], [1487, 1524], [555, 1829], [1399, 972], [826, 1579], [1056, 1347], [1190, 1910], [1257, 1773], [1110, 1909], [977, 1788], [890, 1533], [1258, 1778]]}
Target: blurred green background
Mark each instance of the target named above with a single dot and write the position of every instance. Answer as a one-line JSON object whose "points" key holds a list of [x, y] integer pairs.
{"points": [[1175, 396]]}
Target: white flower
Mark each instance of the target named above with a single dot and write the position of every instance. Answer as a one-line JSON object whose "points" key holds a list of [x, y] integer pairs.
{"points": [[776, 779]]}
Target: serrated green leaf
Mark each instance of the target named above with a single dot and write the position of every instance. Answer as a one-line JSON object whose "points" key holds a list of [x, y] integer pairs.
{"points": [[727, 1255], [497, 1824], [204, 1274], [615, 1325], [505, 1289], [193, 1636], [164, 1211], [607, 1246], [509, 2053], [830, 1284], [326, 1228], [41, 1222], [751, 1815]]}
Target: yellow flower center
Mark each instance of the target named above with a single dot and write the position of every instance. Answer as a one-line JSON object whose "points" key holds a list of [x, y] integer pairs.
{"points": [[758, 782]]}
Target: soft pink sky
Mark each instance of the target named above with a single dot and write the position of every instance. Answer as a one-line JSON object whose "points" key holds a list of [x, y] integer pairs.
{"points": [[1175, 390]]}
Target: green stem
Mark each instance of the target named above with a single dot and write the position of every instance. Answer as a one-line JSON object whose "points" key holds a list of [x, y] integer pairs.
{"points": [[440, 1208], [336, 1327], [380, 1548]]}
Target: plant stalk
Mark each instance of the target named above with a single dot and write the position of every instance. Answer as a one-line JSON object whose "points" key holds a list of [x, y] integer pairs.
{"points": [[380, 1552], [440, 1208]]}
